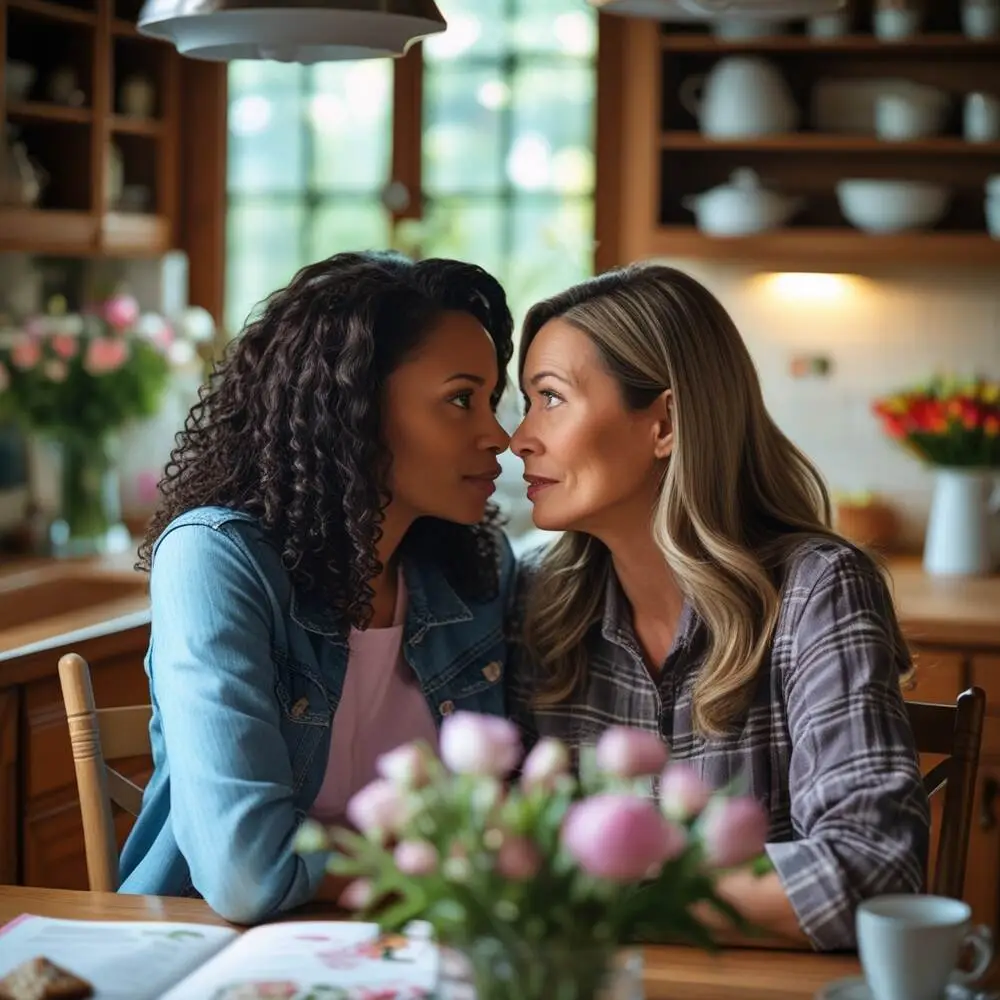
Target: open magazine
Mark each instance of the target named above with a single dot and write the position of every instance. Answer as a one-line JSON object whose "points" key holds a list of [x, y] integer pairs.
{"points": [[315, 960]]}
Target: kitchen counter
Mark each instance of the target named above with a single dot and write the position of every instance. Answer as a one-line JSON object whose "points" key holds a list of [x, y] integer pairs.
{"points": [[45, 603], [962, 611]]}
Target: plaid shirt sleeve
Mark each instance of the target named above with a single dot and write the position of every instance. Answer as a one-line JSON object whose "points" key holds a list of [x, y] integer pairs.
{"points": [[859, 810]]}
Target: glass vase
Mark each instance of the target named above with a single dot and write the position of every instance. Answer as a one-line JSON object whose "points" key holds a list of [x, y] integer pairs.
{"points": [[490, 969], [89, 521]]}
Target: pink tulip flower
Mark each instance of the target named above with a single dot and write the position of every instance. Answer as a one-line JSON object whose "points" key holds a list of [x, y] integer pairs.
{"points": [[415, 857], [733, 830], [620, 837], [379, 808], [479, 744], [683, 795], [121, 312], [406, 766], [548, 760], [55, 370], [26, 353], [518, 859], [104, 355], [630, 753], [64, 346], [357, 895]]}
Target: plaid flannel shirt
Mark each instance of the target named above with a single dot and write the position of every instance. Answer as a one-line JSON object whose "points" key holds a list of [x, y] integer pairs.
{"points": [[826, 744]]}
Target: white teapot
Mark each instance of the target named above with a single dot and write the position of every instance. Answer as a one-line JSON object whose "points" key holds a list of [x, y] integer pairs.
{"points": [[740, 96]]}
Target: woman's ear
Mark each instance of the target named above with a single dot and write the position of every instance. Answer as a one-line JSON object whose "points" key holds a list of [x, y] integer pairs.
{"points": [[663, 426]]}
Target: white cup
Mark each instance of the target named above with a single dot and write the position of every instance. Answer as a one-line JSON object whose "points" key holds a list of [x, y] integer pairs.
{"points": [[981, 18], [891, 24], [981, 118], [910, 945], [834, 25], [993, 216]]}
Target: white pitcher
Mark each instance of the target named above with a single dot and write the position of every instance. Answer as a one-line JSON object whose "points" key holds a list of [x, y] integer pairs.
{"points": [[959, 535]]}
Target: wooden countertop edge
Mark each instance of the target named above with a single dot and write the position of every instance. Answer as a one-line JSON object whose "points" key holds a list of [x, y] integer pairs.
{"points": [[941, 632], [126, 634]]}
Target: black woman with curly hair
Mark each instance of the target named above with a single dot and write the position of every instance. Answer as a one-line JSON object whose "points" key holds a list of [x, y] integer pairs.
{"points": [[327, 579]]}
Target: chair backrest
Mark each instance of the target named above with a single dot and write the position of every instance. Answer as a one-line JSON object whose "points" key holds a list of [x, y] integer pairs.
{"points": [[955, 731], [97, 735]]}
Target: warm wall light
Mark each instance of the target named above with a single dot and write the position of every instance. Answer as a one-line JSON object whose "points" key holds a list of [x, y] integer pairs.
{"points": [[804, 286]]}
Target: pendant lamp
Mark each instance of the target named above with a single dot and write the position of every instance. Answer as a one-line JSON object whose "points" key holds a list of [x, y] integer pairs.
{"points": [[707, 10], [304, 31]]}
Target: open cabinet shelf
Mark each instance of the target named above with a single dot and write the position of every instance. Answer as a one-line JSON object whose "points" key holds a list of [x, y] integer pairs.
{"points": [[99, 120], [951, 43], [659, 151], [836, 246]]}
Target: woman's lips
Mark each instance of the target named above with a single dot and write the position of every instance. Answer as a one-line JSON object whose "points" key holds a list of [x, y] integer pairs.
{"points": [[485, 482], [536, 484]]}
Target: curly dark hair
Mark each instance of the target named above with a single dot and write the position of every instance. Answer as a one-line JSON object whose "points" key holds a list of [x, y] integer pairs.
{"points": [[288, 427]]}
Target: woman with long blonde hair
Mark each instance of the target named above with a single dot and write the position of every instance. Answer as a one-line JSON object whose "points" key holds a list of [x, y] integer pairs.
{"points": [[698, 592]]}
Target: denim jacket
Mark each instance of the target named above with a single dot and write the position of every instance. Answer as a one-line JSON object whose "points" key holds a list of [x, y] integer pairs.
{"points": [[245, 673]]}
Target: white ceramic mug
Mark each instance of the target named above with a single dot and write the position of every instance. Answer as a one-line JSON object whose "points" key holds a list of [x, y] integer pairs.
{"points": [[834, 25], [981, 119], [910, 945], [892, 24], [981, 18]]}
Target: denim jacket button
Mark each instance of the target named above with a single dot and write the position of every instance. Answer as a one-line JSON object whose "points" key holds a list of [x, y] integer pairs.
{"points": [[492, 671], [300, 708], [446, 707]]}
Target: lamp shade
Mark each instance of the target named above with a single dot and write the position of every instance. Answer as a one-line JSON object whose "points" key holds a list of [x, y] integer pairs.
{"points": [[304, 31], [707, 10]]}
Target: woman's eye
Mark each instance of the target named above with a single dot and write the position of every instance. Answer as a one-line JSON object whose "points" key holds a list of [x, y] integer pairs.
{"points": [[462, 400], [551, 398]]}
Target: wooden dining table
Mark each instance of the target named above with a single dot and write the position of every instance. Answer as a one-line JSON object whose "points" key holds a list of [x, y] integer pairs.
{"points": [[670, 972]]}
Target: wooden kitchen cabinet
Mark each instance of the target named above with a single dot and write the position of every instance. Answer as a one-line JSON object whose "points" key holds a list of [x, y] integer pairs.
{"points": [[982, 878], [652, 156], [9, 704], [173, 192]]}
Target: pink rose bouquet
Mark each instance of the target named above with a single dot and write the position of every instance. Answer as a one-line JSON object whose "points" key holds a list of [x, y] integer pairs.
{"points": [[546, 874]]}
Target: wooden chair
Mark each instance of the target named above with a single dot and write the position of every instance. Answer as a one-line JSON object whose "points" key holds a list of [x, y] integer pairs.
{"points": [[97, 735], [956, 731]]}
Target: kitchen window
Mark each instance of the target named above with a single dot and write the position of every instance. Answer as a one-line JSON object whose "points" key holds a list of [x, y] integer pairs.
{"points": [[501, 171]]}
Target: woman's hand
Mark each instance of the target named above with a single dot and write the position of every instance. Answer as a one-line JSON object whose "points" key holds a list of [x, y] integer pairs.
{"points": [[762, 901]]}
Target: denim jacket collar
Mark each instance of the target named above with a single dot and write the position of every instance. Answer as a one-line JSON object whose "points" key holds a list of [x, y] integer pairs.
{"points": [[432, 601]]}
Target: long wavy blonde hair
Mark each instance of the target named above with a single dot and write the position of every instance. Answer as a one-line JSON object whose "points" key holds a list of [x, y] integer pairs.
{"points": [[736, 496]]}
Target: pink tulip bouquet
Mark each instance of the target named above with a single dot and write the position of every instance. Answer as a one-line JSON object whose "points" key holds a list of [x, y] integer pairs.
{"points": [[84, 374], [539, 879], [76, 379]]}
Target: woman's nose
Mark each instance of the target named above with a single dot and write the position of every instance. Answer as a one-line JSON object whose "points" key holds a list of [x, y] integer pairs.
{"points": [[519, 440], [499, 439]]}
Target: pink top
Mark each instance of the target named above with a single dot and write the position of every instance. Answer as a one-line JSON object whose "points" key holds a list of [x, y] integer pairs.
{"points": [[381, 706]]}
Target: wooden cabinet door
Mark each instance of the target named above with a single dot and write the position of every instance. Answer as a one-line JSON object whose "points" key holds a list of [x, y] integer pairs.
{"points": [[982, 881], [9, 791], [938, 676], [982, 874]]}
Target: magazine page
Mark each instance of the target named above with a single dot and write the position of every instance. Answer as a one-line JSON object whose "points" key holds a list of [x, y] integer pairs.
{"points": [[318, 960], [122, 960]]}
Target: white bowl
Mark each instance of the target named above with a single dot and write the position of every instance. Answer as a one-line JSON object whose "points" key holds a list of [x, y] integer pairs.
{"points": [[886, 206]]}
